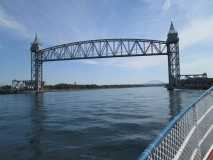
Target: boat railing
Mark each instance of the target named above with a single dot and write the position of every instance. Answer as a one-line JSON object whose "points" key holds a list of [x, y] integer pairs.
{"points": [[188, 136]]}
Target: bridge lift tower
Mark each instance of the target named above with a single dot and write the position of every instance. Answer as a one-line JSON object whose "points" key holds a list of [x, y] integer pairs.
{"points": [[108, 48], [173, 57], [36, 65]]}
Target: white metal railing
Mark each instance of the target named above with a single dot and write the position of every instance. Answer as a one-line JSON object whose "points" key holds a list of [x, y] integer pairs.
{"points": [[188, 136]]}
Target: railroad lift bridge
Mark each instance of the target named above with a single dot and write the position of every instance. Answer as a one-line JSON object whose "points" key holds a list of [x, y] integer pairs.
{"points": [[108, 48]]}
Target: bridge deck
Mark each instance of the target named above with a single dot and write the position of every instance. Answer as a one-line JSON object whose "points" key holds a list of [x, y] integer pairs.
{"points": [[104, 48]]}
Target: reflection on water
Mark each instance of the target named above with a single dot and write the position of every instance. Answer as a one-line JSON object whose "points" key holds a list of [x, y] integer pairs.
{"points": [[90, 124], [38, 117], [174, 102]]}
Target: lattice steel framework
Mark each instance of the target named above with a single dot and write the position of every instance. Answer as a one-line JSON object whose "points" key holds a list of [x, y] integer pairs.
{"points": [[36, 66], [106, 48], [173, 57], [192, 76]]}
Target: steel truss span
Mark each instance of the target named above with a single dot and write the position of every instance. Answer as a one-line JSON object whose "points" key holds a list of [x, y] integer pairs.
{"points": [[107, 48], [104, 48]]}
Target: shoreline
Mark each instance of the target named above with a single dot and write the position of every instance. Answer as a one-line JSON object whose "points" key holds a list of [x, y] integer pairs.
{"points": [[78, 88]]}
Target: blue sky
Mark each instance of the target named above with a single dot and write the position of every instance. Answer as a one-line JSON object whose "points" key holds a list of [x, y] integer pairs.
{"points": [[68, 20]]}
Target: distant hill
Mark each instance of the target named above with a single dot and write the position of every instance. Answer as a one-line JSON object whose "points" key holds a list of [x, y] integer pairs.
{"points": [[154, 82]]}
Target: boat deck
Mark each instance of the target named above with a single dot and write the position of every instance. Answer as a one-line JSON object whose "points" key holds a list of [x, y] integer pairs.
{"points": [[210, 156]]}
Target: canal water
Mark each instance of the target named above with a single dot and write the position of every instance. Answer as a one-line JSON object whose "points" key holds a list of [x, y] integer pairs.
{"points": [[101, 124]]}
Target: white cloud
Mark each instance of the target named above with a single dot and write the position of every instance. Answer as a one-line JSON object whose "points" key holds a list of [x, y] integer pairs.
{"points": [[199, 65], [139, 63], [198, 20], [166, 5], [9, 22], [197, 31], [88, 61], [130, 63]]}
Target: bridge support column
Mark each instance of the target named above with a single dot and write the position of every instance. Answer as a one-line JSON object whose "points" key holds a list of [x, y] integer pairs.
{"points": [[36, 66], [173, 57]]}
